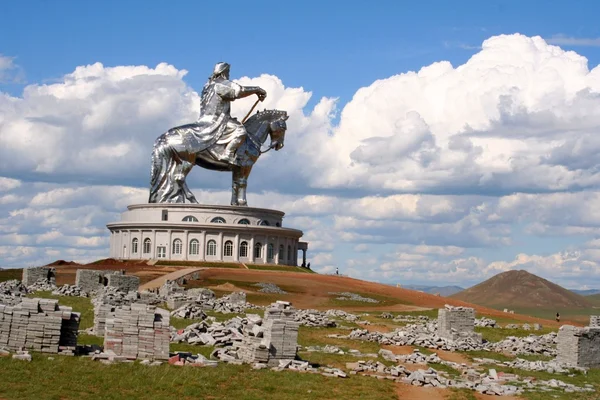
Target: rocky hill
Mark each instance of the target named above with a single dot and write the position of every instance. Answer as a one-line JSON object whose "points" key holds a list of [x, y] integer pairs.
{"points": [[521, 289]]}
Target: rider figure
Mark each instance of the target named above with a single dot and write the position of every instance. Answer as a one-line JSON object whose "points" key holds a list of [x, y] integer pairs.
{"points": [[215, 108]]}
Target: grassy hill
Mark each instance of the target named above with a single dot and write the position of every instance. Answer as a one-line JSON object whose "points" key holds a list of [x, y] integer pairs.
{"points": [[522, 290]]}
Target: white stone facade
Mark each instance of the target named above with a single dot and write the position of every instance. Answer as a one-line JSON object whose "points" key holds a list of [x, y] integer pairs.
{"points": [[192, 232]]}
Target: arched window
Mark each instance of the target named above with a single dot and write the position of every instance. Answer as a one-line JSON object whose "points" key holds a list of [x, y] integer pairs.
{"points": [[270, 251], [228, 249], [194, 247], [190, 218], [244, 249], [211, 248], [257, 250], [177, 246], [134, 245], [278, 224], [289, 253], [218, 220], [281, 255], [147, 246], [244, 221], [264, 223]]}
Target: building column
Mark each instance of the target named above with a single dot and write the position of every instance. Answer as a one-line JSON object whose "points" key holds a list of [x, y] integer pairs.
{"points": [[220, 247], [251, 250], [295, 255], [304, 258], [236, 248], [202, 249], [186, 245], [153, 245], [170, 245], [276, 250]]}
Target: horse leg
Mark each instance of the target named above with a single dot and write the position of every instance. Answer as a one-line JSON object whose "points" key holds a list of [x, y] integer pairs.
{"points": [[235, 186], [242, 182], [182, 171]]}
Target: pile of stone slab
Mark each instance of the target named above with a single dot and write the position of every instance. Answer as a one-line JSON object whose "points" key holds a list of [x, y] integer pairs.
{"points": [[579, 346], [12, 292], [594, 321], [42, 285], [138, 331], [234, 303], [348, 296], [251, 339], [432, 378], [525, 327], [39, 324], [330, 349], [189, 311], [342, 314], [211, 333], [551, 367], [270, 288], [69, 290], [314, 318], [532, 344], [485, 322]]}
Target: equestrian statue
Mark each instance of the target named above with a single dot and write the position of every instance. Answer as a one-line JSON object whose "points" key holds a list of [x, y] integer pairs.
{"points": [[216, 141]]}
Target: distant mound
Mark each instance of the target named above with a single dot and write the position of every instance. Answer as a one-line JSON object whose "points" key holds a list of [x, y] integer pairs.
{"points": [[586, 292], [62, 262], [441, 290], [521, 289], [594, 299]]}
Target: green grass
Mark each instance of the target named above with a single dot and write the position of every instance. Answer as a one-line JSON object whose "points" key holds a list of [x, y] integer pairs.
{"points": [[205, 264], [309, 336], [83, 339], [284, 268], [80, 378], [190, 348], [488, 354], [9, 274], [81, 305], [428, 313]]}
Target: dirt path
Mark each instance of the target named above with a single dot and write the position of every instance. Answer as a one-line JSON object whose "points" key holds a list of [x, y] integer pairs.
{"points": [[158, 282], [452, 356], [409, 392]]}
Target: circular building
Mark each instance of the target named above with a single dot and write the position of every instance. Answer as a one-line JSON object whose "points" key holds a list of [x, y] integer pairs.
{"points": [[194, 232]]}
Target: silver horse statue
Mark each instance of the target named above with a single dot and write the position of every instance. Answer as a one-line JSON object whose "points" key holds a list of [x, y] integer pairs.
{"points": [[174, 156]]}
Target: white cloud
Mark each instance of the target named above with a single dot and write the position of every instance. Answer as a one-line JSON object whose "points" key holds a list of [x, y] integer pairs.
{"points": [[10, 72], [564, 40], [423, 170]]}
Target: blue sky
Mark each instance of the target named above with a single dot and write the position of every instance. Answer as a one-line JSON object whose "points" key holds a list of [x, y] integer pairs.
{"points": [[473, 214]]}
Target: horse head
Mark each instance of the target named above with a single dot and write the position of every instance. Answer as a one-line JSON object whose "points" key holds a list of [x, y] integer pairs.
{"points": [[271, 123]]}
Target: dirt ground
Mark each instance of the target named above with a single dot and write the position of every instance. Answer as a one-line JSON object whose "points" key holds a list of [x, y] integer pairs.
{"points": [[306, 290]]}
